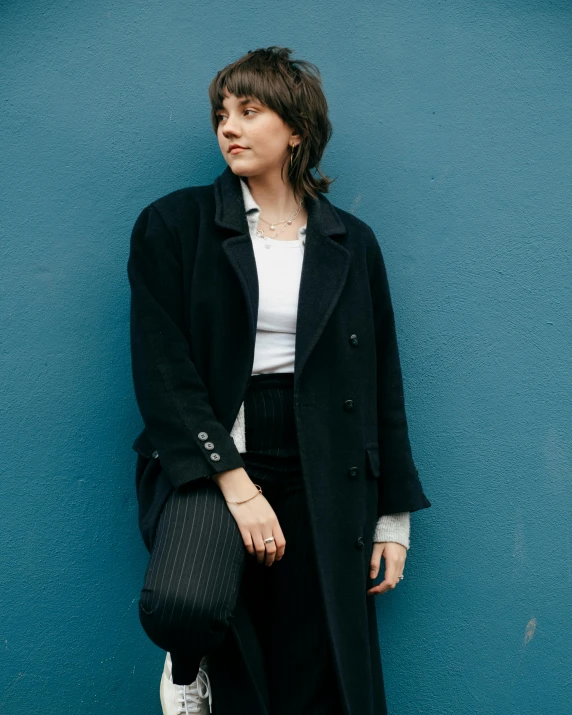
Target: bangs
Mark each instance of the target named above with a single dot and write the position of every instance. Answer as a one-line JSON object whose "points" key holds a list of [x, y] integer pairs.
{"points": [[248, 83]]}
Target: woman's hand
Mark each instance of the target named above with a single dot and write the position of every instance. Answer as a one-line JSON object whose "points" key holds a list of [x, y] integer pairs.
{"points": [[256, 519], [395, 555]]}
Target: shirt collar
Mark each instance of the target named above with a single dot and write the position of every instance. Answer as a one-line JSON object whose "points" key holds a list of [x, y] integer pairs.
{"points": [[250, 205], [252, 209]]}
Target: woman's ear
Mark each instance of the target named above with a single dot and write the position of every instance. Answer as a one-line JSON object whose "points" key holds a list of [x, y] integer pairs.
{"points": [[295, 139]]}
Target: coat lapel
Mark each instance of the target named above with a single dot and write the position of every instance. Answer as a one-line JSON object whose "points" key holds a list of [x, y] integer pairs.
{"points": [[324, 268]]}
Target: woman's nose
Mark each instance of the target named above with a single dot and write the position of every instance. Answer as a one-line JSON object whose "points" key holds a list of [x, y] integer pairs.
{"points": [[231, 133], [231, 128]]}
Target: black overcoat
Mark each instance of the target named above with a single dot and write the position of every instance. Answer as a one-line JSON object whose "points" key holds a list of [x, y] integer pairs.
{"points": [[194, 306]]}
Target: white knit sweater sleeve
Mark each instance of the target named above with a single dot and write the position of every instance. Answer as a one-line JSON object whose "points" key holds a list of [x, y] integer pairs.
{"points": [[393, 527]]}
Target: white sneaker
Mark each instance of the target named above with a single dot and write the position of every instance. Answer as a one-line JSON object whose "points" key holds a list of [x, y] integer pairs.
{"points": [[185, 699]]}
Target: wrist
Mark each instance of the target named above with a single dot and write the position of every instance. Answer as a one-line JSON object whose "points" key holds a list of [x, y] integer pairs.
{"points": [[235, 484]]}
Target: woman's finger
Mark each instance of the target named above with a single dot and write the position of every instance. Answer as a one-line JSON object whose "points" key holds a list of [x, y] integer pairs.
{"points": [[259, 546], [280, 541], [270, 551], [248, 542], [394, 565], [375, 562], [390, 581]]}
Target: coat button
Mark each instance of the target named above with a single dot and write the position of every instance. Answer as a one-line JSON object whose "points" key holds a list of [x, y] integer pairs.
{"points": [[215, 457], [354, 339], [349, 405], [353, 472], [359, 543], [209, 445], [155, 454], [202, 435]]}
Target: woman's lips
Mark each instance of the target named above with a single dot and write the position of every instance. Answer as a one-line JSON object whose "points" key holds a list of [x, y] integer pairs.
{"points": [[237, 149]]}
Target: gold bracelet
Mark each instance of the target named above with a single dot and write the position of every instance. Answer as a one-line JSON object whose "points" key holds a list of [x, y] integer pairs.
{"points": [[245, 500]]}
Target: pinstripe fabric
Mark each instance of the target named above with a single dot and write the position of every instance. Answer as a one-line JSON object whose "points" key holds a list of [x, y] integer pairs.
{"points": [[199, 564], [270, 427], [190, 583]]}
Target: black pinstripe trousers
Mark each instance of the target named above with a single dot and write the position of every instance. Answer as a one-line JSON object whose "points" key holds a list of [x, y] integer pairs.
{"points": [[199, 563]]}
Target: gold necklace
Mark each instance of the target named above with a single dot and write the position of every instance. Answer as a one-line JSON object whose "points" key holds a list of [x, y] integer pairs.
{"points": [[286, 222]]}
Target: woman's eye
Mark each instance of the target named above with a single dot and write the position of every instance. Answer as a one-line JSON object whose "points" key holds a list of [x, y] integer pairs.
{"points": [[222, 116]]}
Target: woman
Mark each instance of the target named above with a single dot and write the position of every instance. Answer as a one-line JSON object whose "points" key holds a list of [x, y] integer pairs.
{"points": [[274, 468]]}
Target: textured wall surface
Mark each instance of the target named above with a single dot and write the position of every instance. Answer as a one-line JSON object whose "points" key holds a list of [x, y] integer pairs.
{"points": [[452, 139]]}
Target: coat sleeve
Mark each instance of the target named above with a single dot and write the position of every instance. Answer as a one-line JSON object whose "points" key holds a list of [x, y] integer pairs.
{"points": [[400, 489], [172, 398]]}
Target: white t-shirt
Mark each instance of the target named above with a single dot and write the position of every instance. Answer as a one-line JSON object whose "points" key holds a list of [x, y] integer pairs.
{"points": [[279, 266]]}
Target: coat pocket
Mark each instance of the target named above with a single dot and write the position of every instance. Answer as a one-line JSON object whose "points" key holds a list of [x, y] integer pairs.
{"points": [[372, 460]]}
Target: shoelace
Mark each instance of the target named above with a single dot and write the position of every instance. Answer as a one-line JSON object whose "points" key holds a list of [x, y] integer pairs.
{"points": [[204, 687], [195, 693]]}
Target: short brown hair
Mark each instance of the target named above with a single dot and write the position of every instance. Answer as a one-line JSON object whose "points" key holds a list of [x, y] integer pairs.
{"points": [[291, 88]]}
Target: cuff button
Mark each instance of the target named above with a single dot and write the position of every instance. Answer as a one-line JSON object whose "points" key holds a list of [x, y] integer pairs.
{"points": [[215, 457], [209, 445], [202, 435]]}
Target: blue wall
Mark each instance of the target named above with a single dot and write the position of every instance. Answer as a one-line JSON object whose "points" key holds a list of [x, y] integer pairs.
{"points": [[452, 138]]}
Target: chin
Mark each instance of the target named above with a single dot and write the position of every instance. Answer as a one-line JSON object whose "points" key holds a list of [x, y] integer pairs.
{"points": [[240, 170]]}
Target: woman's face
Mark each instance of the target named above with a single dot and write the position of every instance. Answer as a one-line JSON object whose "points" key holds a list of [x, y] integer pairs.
{"points": [[260, 130]]}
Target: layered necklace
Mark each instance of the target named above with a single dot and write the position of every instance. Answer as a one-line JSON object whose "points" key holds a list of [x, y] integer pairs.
{"points": [[286, 222]]}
